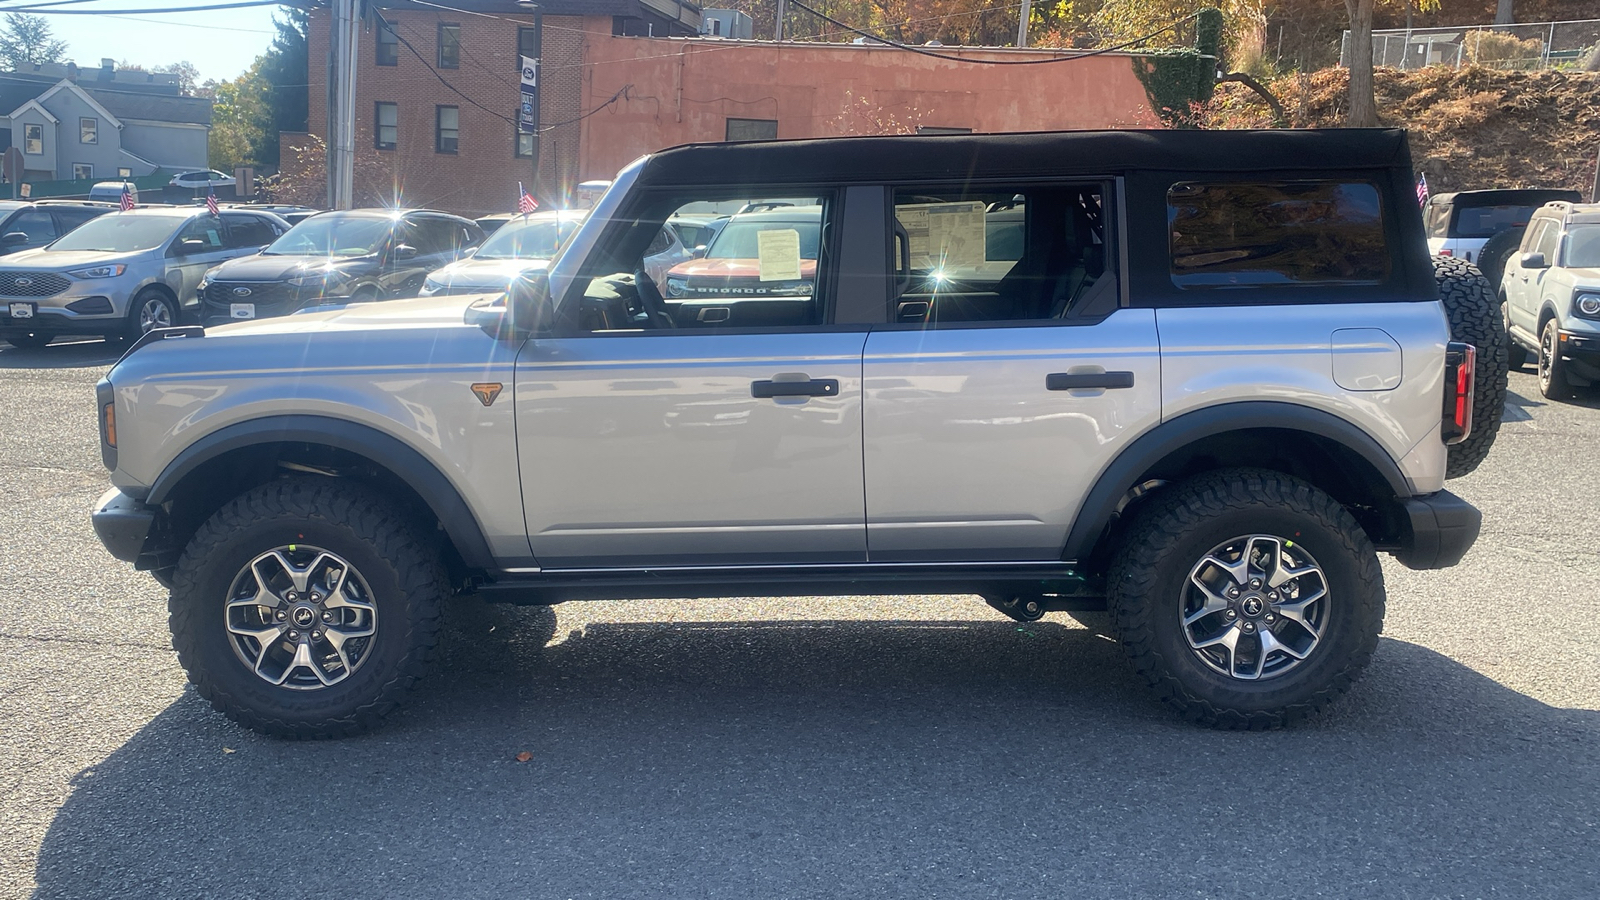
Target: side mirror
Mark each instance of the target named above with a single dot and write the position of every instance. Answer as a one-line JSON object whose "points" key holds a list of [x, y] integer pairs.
{"points": [[405, 251], [1534, 260], [525, 308], [14, 238], [699, 252], [193, 245]]}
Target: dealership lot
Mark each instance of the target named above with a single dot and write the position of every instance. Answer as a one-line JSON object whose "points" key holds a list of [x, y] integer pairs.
{"points": [[904, 746]]}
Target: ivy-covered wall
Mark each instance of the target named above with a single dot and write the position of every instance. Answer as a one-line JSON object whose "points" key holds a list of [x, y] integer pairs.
{"points": [[1175, 80]]}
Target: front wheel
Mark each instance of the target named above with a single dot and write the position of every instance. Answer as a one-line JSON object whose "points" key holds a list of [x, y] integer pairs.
{"points": [[1248, 599], [1553, 384], [306, 609], [151, 309]]}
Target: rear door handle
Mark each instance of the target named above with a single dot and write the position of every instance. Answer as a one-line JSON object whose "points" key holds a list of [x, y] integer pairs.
{"points": [[1087, 381], [816, 387]]}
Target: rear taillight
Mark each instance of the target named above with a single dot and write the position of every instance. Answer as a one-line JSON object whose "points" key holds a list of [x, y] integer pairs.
{"points": [[1447, 252], [1460, 367]]}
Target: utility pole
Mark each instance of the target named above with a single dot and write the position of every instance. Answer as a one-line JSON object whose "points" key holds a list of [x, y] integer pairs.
{"points": [[528, 105], [343, 43], [777, 25], [1022, 23]]}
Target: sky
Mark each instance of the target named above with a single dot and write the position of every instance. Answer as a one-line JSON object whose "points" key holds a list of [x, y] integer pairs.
{"points": [[221, 43]]}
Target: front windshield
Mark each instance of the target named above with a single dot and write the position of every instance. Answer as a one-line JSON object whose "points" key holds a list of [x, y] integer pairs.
{"points": [[333, 236], [739, 239], [1583, 247], [528, 239], [120, 234]]}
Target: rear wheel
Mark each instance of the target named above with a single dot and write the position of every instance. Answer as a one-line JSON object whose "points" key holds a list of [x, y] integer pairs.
{"points": [[150, 310], [1474, 318], [1248, 599], [306, 609]]}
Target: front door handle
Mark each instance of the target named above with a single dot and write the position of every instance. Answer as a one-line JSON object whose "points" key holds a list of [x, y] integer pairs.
{"points": [[815, 387], [1087, 381]]}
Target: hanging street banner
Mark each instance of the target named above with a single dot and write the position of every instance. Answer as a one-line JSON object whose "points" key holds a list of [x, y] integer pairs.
{"points": [[528, 115]]}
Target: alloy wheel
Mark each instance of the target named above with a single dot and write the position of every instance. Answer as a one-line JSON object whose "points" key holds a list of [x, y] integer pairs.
{"points": [[154, 313], [300, 617], [1255, 607], [1547, 352]]}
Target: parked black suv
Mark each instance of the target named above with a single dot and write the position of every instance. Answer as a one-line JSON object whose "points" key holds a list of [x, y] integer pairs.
{"points": [[352, 256], [25, 225]]}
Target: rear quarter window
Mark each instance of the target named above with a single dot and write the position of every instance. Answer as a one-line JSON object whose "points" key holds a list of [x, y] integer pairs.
{"points": [[1242, 234]]}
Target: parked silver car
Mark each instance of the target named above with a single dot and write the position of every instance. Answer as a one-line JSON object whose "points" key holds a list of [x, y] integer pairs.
{"points": [[123, 273]]}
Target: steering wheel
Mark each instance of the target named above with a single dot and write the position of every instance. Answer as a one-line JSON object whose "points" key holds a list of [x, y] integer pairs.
{"points": [[655, 306]]}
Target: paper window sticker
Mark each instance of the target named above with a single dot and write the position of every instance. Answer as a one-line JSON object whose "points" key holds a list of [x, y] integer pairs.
{"points": [[778, 253]]}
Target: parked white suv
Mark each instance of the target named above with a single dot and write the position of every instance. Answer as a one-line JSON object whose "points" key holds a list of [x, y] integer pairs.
{"points": [[1550, 297], [1202, 380]]}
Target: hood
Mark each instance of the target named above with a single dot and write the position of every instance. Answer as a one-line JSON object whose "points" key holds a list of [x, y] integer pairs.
{"points": [[279, 268], [492, 274], [733, 268], [1584, 279], [422, 312], [43, 260]]}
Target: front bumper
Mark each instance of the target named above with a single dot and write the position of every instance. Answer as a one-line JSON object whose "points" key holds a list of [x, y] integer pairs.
{"points": [[1439, 530], [1582, 347], [123, 524], [51, 316]]}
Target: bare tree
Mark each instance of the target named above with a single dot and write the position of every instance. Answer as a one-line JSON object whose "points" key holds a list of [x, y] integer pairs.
{"points": [[1504, 14], [1363, 105]]}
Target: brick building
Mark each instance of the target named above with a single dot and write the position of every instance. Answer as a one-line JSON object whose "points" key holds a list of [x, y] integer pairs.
{"points": [[437, 91]]}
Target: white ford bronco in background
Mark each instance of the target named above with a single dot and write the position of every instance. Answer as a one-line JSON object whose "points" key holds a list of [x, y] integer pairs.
{"points": [[1201, 379]]}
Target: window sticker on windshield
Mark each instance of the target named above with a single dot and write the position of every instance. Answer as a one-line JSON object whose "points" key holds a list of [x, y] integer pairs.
{"points": [[213, 238], [944, 234], [778, 251]]}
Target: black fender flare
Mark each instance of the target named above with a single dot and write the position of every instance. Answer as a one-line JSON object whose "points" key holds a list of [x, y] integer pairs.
{"points": [[1156, 444], [386, 450]]}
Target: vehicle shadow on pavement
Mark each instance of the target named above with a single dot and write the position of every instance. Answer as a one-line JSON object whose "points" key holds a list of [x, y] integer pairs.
{"points": [[843, 758], [79, 354]]}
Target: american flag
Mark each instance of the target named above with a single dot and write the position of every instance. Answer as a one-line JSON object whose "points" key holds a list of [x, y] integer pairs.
{"points": [[211, 202], [1422, 189], [127, 196], [525, 202]]}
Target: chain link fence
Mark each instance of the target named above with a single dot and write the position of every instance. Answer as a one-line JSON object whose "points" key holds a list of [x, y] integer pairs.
{"points": [[1535, 45]]}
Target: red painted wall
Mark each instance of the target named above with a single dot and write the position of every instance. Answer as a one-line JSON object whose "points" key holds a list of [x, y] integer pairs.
{"points": [[681, 91]]}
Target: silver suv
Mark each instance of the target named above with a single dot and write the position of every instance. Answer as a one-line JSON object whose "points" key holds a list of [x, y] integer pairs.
{"points": [[1550, 295], [123, 273], [1201, 379]]}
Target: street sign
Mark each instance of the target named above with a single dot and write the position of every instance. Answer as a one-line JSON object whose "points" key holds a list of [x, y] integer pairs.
{"points": [[528, 109]]}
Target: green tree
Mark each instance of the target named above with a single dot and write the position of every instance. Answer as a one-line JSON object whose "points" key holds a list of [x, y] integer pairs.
{"points": [[25, 40], [1243, 25], [188, 76], [282, 70], [240, 120]]}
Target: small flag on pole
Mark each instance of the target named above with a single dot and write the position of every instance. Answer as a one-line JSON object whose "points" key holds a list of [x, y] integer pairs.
{"points": [[525, 202], [1422, 189], [127, 196], [211, 202]]}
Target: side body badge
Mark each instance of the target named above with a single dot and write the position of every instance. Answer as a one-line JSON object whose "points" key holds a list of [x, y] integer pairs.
{"points": [[487, 392]]}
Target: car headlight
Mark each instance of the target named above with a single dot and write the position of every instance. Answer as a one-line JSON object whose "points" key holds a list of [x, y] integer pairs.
{"points": [[98, 272], [431, 285], [1588, 305], [322, 278], [677, 287]]}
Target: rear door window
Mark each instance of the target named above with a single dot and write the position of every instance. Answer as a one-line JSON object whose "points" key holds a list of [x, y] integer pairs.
{"points": [[245, 231], [1290, 233]]}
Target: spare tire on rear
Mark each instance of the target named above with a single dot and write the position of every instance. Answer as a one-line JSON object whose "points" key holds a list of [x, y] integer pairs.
{"points": [[1474, 314], [1492, 258]]}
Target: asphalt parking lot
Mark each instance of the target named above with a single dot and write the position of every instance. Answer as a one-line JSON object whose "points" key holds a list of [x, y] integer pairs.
{"points": [[867, 747]]}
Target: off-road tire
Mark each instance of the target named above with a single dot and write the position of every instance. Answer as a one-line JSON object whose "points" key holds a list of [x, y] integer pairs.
{"points": [[403, 570], [1474, 312], [1167, 538], [1553, 383], [1492, 258], [1516, 354]]}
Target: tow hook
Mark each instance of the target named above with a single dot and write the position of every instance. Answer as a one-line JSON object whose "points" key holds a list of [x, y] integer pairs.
{"points": [[1023, 609]]}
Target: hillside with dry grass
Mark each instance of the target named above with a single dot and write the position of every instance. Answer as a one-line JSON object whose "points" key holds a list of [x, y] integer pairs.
{"points": [[1470, 128]]}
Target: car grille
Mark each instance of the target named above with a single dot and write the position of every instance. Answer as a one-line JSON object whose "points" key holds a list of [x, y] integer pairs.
{"points": [[32, 284], [267, 296]]}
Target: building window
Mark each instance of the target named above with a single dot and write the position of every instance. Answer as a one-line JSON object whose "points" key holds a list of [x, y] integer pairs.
{"points": [[88, 131], [386, 134], [388, 53], [124, 172], [447, 129], [449, 46], [33, 139], [752, 129], [525, 145], [81, 171]]}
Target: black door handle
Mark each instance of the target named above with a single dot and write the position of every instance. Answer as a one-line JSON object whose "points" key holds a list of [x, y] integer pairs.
{"points": [[816, 387], [1087, 381]]}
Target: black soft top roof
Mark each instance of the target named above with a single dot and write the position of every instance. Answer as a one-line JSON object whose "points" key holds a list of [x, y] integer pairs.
{"points": [[1507, 197], [860, 159]]}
